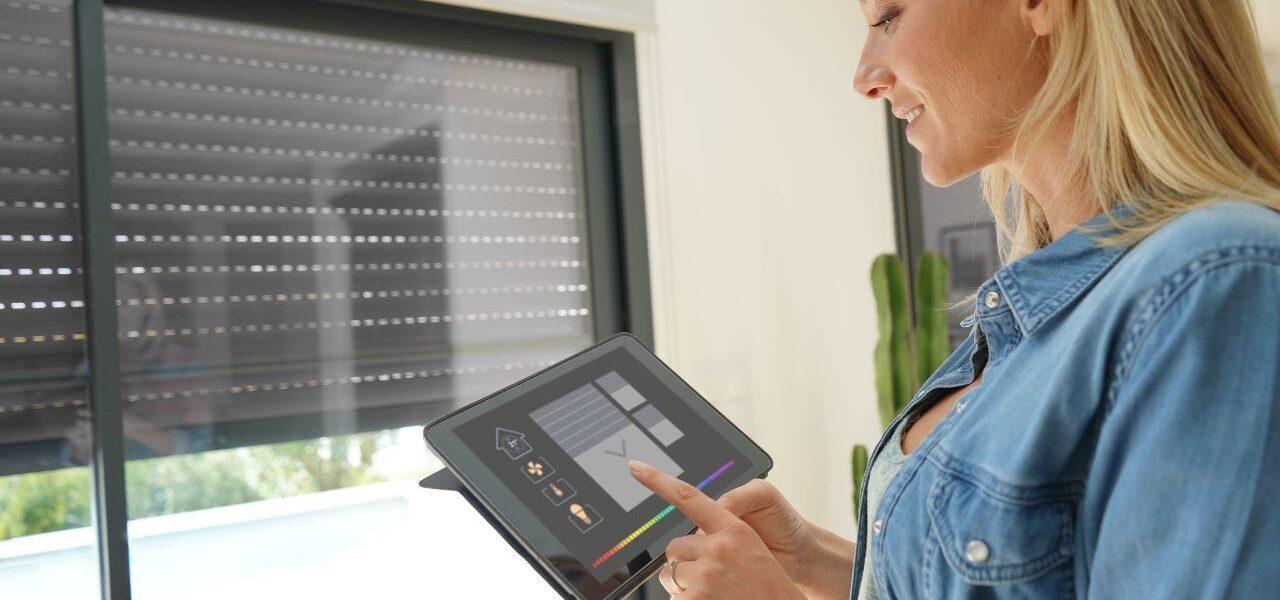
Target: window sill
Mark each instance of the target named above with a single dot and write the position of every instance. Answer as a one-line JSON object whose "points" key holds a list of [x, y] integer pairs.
{"points": [[389, 540]]}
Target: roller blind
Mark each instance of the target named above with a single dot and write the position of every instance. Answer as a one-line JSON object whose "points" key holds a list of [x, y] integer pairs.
{"points": [[42, 354], [316, 233]]}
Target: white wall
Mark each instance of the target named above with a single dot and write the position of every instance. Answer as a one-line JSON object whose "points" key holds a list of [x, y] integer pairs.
{"points": [[771, 198], [1267, 14]]}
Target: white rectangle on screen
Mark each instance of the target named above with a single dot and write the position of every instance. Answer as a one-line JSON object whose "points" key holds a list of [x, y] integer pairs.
{"points": [[617, 388]]}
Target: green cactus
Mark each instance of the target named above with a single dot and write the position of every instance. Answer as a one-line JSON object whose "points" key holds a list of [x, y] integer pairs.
{"points": [[933, 339], [859, 463], [904, 356], [896, 377]]}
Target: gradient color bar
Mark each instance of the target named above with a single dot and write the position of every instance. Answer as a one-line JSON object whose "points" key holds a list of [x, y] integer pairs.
{"points": [[658, 517]]}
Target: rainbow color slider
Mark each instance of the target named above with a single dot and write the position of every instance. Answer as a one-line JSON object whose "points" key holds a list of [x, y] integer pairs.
{"points": [[658, 517]]}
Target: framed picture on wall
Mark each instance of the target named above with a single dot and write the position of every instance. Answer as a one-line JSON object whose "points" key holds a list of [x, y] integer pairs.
{"points": [[973, 254]]}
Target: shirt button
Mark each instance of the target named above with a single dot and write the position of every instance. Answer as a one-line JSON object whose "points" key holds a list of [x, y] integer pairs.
{"points": [[992, 300], [875, 527], [977, 552]]}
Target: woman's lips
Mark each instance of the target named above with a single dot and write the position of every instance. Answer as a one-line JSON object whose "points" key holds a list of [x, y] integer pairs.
{"points": [[910, 114], [911, 125]]}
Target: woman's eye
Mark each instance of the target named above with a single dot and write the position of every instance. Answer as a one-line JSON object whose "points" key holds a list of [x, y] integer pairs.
{"points": [[887, 18]]}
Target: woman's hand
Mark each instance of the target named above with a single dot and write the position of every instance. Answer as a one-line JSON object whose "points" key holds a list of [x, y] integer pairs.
{"points": [[729, 559], [787, 534]]}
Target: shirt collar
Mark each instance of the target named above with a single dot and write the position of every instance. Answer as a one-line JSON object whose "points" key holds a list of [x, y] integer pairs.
{"points": [[1043, 283]]}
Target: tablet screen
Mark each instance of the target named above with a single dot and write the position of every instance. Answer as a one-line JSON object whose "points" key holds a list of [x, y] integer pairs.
{"points": [[552, 458]]}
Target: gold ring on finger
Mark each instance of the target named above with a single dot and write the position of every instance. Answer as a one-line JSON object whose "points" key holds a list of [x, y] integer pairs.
{"points": [[674, 581]]}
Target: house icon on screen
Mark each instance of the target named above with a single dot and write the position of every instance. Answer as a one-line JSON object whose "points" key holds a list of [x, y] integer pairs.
{"points": [[512, 443]]}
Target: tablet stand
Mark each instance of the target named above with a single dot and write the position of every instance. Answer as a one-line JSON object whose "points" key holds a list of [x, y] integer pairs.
{"points": [[445, 480]]}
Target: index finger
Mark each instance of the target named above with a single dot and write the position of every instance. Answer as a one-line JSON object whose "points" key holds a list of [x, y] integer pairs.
{"points": [[702, 510]]}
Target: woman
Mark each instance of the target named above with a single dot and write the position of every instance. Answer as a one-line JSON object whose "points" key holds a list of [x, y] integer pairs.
{"points": [[1111, 426]]}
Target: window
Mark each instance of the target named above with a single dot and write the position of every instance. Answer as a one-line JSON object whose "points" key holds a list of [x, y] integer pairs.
{"points": [[953, 221], [45, 436], [330, 222]]}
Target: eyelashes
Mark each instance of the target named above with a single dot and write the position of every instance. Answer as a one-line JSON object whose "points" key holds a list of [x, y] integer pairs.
{"points": [[887, 17]]}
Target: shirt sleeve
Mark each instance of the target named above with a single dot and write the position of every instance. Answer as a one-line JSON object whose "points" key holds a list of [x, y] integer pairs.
{"points": [[1183, 496]]}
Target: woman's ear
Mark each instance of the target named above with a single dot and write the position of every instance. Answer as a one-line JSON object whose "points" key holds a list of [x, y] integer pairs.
{"points": [[1042, 15]]}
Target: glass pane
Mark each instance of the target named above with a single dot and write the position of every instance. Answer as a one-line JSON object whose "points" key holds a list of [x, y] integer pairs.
{"points": [[323, 242], [46, 545], [956, 223]]}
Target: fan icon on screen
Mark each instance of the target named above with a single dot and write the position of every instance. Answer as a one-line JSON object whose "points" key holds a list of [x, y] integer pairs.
{"points": [[537, 470]]}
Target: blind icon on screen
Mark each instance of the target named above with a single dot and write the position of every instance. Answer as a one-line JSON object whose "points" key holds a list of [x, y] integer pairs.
{"points": [[601, 439]]}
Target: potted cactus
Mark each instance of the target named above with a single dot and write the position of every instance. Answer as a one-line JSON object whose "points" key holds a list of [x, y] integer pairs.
{"points": [[906, 355]]}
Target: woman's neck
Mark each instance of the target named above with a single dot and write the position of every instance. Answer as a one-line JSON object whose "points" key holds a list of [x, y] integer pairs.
{"points": [[1063, 198], [1064, 206]]}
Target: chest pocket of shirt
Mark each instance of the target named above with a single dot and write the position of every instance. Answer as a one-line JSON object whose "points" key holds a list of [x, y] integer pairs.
{"points": [[1017, 544]]}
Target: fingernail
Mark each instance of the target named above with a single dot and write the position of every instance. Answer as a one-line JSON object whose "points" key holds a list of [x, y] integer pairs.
{"points": [[640, 468]]}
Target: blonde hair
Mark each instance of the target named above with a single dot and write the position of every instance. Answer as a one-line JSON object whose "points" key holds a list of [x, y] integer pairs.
{"points": [[1170, 108]]}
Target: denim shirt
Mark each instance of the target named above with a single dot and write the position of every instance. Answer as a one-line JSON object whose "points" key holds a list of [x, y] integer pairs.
{"points": [[1125, 439]]}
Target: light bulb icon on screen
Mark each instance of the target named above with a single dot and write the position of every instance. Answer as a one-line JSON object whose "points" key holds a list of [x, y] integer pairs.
{"points": [[580, 513], [584, 517]]}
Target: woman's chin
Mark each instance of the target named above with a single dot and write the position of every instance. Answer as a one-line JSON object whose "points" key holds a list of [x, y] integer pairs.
{"points": [[938, 178], [941, 175]]}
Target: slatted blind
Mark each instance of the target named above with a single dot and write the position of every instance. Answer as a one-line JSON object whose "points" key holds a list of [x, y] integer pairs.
{"points": [[316, 233], [42, 353]]}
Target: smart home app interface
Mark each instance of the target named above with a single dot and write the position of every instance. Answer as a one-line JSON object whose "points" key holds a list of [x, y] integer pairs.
{"points": [[564, 453]]}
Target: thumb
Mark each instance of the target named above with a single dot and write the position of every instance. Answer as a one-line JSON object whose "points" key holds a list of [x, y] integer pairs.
{"points": [[753, 496], [747, 499]]}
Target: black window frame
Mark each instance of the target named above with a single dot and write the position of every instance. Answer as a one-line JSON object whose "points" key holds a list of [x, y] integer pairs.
{"points": [[908, 223], [612, 173]]}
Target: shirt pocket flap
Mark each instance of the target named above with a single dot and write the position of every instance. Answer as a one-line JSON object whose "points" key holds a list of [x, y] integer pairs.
{"points": [[989, 539]]}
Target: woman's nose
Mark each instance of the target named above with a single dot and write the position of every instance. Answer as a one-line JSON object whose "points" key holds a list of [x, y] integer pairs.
{"points": [[872, 79]]}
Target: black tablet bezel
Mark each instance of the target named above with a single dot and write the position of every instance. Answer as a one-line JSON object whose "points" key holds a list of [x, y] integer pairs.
{"points": [[457, 456]]}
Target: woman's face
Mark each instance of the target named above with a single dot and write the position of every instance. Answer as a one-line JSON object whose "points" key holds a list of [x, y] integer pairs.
{"points": [[960, 71]]}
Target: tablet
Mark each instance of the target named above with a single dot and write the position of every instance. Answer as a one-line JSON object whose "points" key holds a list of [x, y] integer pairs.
{"points": [[548, 457]]}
